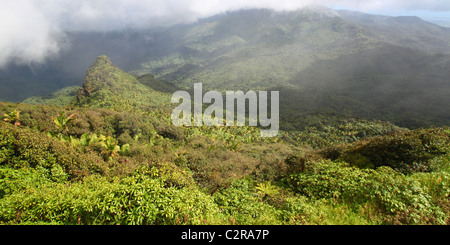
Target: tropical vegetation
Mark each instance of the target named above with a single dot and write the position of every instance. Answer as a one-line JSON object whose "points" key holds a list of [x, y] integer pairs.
{"points": [[111, 156]]}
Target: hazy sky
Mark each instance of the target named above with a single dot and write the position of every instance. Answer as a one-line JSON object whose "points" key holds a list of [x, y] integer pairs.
{"points": [[33, 30]]}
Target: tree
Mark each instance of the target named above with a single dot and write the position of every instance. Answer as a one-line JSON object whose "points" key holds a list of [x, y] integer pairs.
{"points": [[111, 148], [13, 117], [63, 122]]}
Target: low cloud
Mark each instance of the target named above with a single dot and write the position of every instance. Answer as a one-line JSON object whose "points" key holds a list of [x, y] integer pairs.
{"points": [[31, 31], [26, 34]]}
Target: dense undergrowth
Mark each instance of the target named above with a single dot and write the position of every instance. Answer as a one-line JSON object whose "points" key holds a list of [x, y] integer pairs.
{"points": [[50, 175], [87, 163]]}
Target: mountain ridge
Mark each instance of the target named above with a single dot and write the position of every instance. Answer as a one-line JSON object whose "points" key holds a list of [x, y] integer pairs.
{"points": [[131, 48], [262, 49], [106, 152]]}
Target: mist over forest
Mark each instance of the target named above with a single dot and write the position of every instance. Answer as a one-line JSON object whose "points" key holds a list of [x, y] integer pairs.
{"points": [[387, 68]]}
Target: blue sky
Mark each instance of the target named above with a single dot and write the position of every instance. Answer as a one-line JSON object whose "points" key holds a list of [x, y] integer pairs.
{"points": [[435, 16]]}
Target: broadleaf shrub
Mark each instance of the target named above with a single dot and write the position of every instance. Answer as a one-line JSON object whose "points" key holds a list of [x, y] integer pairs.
{"points": [[23, 147], [136, 200], [400, 199], [406, 152]]}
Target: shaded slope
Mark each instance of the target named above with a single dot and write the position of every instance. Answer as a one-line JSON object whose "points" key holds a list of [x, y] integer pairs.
{"points": [[401, 85]]}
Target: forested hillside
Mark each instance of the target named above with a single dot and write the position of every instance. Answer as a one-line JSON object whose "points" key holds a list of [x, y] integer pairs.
{"points": [[110, 155], [324, 61]]}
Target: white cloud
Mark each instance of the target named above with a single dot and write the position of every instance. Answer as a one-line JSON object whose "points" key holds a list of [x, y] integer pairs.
{"points": [[111, 14], [27, 37], [32, 30]]}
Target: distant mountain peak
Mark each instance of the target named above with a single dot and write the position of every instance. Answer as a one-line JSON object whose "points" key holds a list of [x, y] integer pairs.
{"points": [[107, 86], [102, 60], [103, 75], [97, 75]]}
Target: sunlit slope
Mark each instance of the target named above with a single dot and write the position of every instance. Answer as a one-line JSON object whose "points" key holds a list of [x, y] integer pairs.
{"points": [[107, 86]]}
